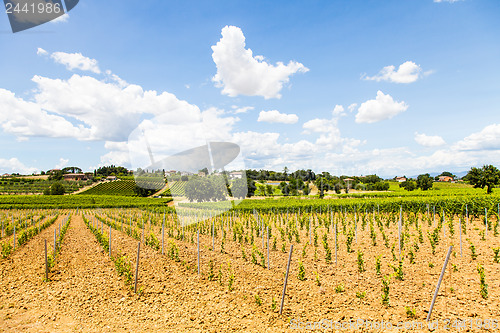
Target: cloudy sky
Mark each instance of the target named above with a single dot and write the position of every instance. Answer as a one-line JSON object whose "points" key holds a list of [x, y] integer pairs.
{"points": [[352, 87]]}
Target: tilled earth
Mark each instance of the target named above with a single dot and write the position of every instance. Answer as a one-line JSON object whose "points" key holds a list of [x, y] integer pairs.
{"points": [[86, 294]]}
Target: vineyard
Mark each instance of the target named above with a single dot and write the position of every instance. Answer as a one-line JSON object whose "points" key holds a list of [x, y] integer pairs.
{"points": [[151, 269], [118, 187], [175, 189], [27, 186]]}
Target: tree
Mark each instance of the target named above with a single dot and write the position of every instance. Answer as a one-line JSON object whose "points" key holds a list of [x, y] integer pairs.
{"points": [[239, 188], [269, 190], [488, 176], [143, 192], [205, 189], [250, 187], [408, 185], [57, 189], [306, 189], [56, 175], [425, 182]]}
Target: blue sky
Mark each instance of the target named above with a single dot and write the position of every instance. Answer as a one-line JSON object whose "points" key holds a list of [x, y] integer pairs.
{"points": [[350, 87]]}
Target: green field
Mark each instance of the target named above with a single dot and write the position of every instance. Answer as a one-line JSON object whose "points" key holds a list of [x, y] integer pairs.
{"points": [[118, 187], [32, 186], [78, 201]]}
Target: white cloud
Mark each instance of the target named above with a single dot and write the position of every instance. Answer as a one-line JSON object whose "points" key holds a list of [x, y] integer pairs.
{"points": [[13, 165], [241, 73], [319, 126], [76, 60], [26, 119], [244, 109], [407, 72], [429, 140], [41, 52], [352, 107], [486, 139], [61, 19], [338, 110], [62, 163], [381, 108], [450, 1], [275, 116]]}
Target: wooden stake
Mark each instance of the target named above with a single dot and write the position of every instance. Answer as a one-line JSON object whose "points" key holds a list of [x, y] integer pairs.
{"points": [[137, 266], [109, 241], [162, 235], [198, 254], [439, 282], [46, 263], [286, 279], [268, 267], [460, 226]]}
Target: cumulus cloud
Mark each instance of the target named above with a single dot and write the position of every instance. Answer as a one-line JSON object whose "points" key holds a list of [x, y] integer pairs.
{"points": [[41, 52], [407, 72], [487, 139], [61, 19], [275, 116], [381, 108], [239, 72], [62, 163], [244, 109], [76, 61], [14, 165], [429, 140]]}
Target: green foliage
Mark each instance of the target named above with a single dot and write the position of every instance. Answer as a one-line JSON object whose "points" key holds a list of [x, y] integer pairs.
{"points": [[124, 268], [361, 294], [258, 301], [378, 264], [340, 288], [496, 253], [318, 282], [473, 253], [274, 304], [386, 280], [361, 265], [408, 185], [173, 251], [410, 313], [302, 272], [205, 189], [482, 280], [349, 239], [487, 176], [399, 274], [118, 188], [425, 182], [152, 241]]}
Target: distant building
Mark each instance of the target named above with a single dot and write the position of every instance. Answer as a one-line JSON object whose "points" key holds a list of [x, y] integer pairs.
{"points": [[445, 179], [170, 173], [111, 178], [201, 174], [6, 175], [77, 176], [236, 175], [401, 179]]}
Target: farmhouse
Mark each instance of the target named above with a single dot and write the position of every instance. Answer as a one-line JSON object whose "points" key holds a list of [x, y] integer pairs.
{"points": [[236, 175], [111, 178], [445, 179], [77, 176], [400, 179]]}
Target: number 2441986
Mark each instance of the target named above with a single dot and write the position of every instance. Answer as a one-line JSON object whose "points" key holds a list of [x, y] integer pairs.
{"points": [[39, 8], [471, 324]]}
